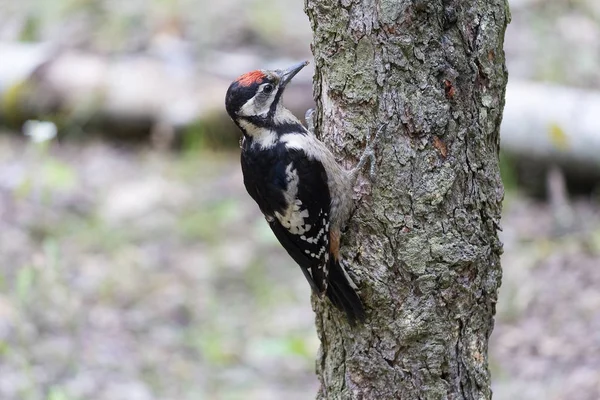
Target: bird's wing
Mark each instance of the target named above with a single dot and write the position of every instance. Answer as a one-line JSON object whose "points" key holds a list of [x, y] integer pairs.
{"points": [[302, 227], [295, 198]]}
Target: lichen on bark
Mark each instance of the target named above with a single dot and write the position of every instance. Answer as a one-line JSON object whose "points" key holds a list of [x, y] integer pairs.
{"points": [[423, 243]]}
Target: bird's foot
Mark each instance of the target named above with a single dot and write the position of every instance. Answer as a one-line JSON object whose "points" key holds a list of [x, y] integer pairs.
{"points": [[309, 117], [368, 155]]}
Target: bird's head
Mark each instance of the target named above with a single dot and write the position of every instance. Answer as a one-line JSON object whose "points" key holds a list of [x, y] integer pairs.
{"points": [[255, 98]]}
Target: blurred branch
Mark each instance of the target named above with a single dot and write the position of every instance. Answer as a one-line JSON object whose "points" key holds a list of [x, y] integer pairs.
{"points": [[144, 93], [553, 124], [132, 94]]}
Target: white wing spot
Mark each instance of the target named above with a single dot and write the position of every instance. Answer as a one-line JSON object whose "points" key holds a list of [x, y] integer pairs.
{"points": [[322, 251], [291, 174], [293, 218]]}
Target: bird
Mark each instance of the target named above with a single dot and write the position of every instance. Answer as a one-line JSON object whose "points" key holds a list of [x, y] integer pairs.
{"points": [[305, 195]]}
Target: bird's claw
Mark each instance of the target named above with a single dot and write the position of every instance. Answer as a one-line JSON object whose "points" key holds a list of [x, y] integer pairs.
{"points": [[369, 153], [309, 117]]}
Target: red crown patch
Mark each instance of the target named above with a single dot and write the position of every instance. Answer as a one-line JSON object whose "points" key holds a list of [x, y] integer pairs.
{"points": [[250, 77]]}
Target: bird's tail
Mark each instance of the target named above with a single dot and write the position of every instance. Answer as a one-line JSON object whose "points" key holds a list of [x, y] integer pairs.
{"points": [[342, 294]]}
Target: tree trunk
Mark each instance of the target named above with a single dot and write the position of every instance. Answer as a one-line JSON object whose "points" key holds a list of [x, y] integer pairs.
{"points": [[423, 244]]}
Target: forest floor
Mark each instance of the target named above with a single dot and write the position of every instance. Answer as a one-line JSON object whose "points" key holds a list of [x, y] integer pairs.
{"points": [[134, 274]]}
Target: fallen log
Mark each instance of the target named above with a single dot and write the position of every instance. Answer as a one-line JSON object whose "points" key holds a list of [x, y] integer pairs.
{"points": [[557, 124], [549, 128], [144, 94], [130, 95]]}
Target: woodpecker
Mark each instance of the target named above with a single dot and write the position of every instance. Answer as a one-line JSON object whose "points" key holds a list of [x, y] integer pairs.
{"points": [[304, 194]]}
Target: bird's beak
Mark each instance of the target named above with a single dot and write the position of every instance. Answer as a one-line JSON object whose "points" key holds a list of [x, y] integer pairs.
{"points": [[287, 75]]}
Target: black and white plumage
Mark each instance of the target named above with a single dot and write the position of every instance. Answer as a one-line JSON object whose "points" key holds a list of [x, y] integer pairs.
{"points": [[304, 194]]}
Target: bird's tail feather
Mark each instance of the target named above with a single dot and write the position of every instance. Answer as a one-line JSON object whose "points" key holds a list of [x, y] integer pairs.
{"points": [[342, 294]]}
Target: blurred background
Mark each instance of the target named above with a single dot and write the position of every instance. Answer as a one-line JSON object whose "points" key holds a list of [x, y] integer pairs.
{"points": [[134, 266]]}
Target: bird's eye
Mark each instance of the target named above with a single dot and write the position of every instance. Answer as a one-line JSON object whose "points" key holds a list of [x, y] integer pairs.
{"points": [[268, 88]]}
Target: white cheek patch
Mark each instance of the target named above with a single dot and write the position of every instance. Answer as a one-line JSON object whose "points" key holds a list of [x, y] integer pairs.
{"points": [[250, 108], [256, 105]]}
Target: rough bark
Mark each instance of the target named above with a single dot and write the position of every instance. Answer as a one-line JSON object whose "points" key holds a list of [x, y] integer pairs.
{"points": [[423, 244]]}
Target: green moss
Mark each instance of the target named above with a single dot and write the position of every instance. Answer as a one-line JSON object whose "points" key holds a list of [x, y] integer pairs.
{"points": [[30, 30], [10, 103], [204, 224], [508, 172], [214, 131]]}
